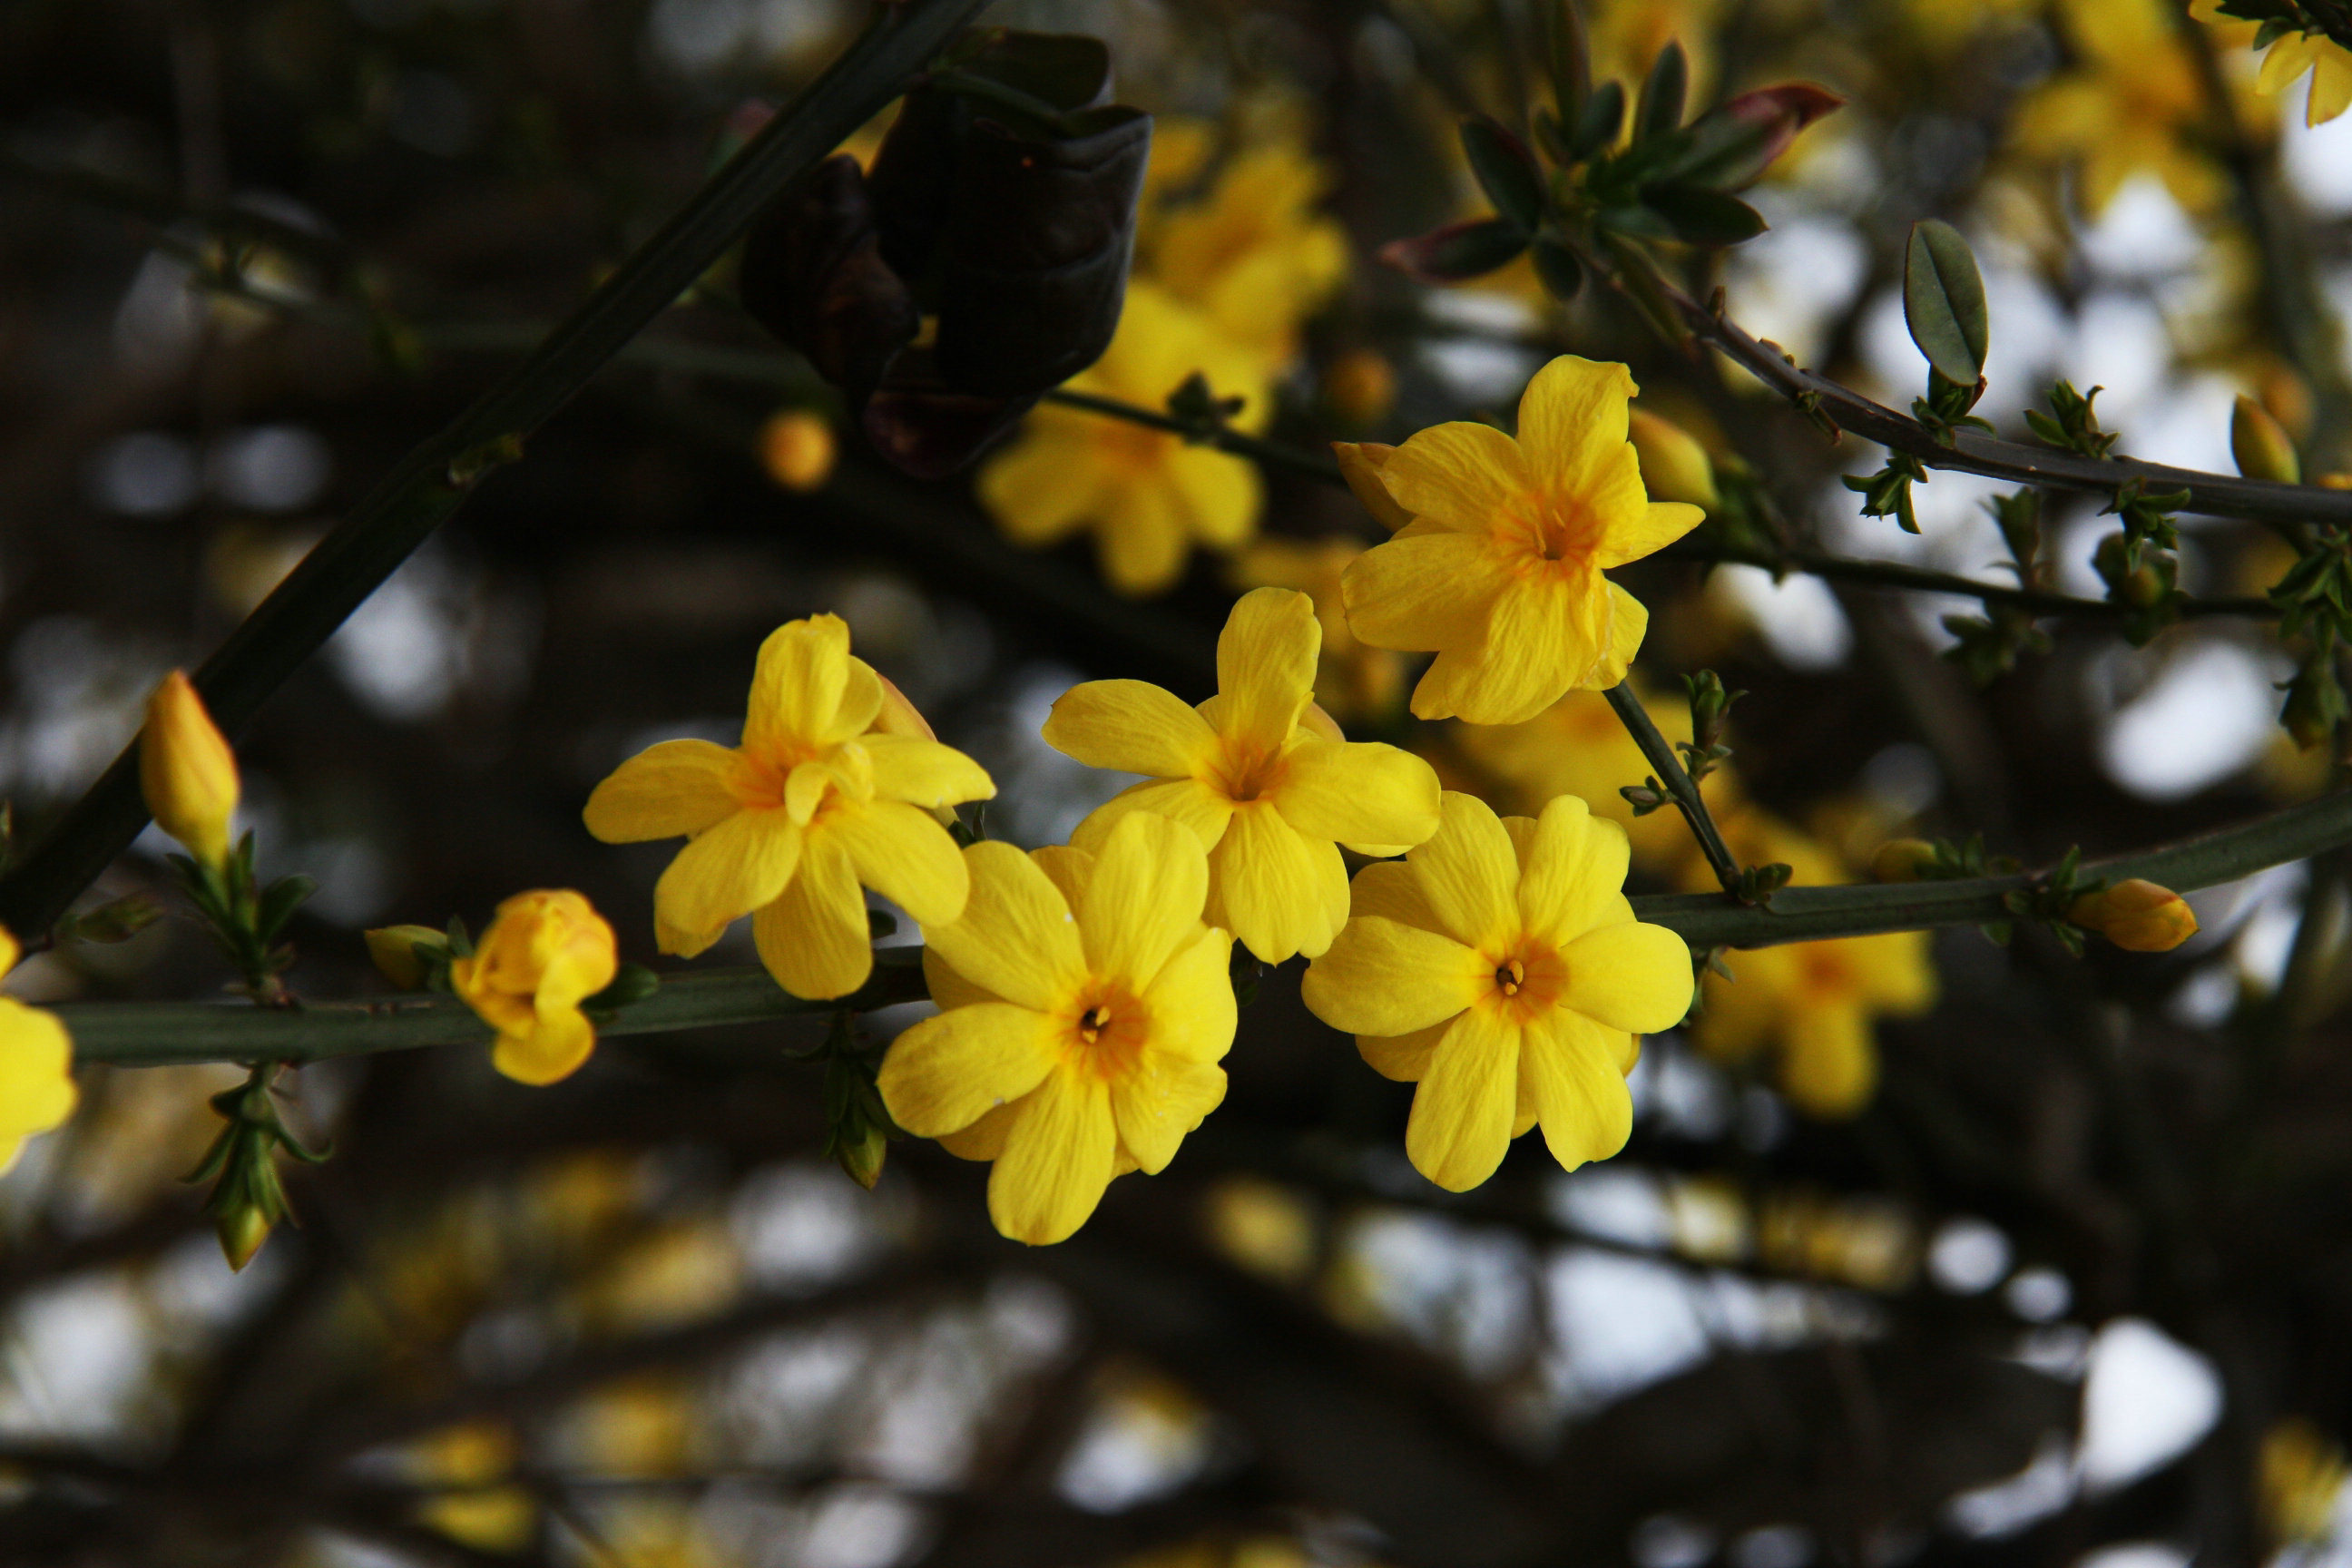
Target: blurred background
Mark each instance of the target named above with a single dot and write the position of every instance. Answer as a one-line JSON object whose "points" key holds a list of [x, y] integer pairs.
{"points": [[2069, 1282]]}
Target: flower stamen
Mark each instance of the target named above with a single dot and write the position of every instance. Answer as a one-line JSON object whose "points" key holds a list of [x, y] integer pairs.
{"points": [[1511, 976]]}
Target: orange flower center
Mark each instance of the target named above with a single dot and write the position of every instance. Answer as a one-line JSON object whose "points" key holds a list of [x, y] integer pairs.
{"points": [[1553, 534], [1823, 972], [1106, 1033], [1135, 451], [1244, 772], [1529, 978]]}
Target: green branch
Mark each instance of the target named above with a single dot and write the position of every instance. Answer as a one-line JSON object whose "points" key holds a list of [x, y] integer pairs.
{"points": [[1273, 454], [150, 1033], [1676, 781], [430, 484]]}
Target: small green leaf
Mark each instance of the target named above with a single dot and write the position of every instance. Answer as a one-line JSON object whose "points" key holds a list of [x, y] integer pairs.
{"points": [[1561, 269], [1604, 116], [1457, 251], [1944, 301], [1506, 171], [1661, 107], [1700, 216]]}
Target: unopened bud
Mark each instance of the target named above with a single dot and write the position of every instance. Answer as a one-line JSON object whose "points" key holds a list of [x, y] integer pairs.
{"points": [[186, 771], [2262, 446], [797, 448], [393, 951], [1902, 860], [861, 1156], [2138, 916], [1360, 463], [1360, 386], [1754, 129], [242, 1231], [1675, 467]]}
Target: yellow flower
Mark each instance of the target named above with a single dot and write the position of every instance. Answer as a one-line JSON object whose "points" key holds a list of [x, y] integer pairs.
{"points": [[544, 953], [797, 448], [2298, 1480], [472, 1497], [1147, 495], [1579, 746], [2136, 104], [2291, 55], [1674, 466], [831, 787], [2138, 916], [1253, 253], [37, 1085], [1084, 1008], [1351, 680], [1815, 1003], [186, 770], [1499, 572], [1501, 969], [1266, 780]]}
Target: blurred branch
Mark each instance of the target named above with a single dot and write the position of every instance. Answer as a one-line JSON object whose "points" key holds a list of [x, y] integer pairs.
{"points": [[1273, 454], [430, 484], [1920, 579], [148, 1034]]}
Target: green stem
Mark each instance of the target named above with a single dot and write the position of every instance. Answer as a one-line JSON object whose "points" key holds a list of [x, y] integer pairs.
{"points": [[151, 1034], [1693, 806], [1274, 454], [1919, 579], [404, 508]]}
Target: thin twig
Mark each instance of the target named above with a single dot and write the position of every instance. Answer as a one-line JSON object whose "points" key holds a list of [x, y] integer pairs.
{"points": [[1273, 454], [1677, 781]]}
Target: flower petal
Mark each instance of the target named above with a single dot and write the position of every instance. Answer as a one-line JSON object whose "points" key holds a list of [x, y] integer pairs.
{"points": [[1194, 1013], [554, 1047], [1042, 488], [797, 688], [1197, 806], [1132, 726], [1160, 1099], [1573, 871], [1646, 532], [1358, 793], [985, 1139], [1828, 1060], [1016, 936], [1462, 1113], [1401, 1058], [925, 773], [1458, 475], [1572, 418], [1391, 889], [1360, 464], [948, 988], [1220, 492], [1278, 891], [724, 874], [1635, 976], [1542, 638], [37, 1085], [1140, 537], [1572, 1065], [1056, 1159], [1629, 622], [1266, 666], [1381, 978], [1422, 593], [903, 854], [1469, 874], [945, 1073], [678, 786], [814, 938], [1150, 879]]}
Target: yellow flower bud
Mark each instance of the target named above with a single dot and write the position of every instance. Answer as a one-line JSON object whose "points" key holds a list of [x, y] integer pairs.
{"points": [[1902, 860], [797, 448], [1360, 463], [1675, 467], [2138, 916], [186, 771], [2262, 446], [1360, 386], [242, 1231], [393, 950], [544, 953]]}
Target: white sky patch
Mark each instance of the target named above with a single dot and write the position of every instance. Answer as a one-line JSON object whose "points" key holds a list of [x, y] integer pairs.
{"points": [[2135, 1554], [2147, 1400], [2186, 425], [1968, 1256], [2206, 715], [2143, 233], [1796, 277], [2319, 158], [2008, 1506], [1797, 616], [1614, 1203], [2120, 345]]}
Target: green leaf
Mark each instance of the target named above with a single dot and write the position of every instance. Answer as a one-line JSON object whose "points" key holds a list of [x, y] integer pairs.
{"points": [[279, 903], [1560, 268], [1944, 301], [1506, 172], [1604, 115], [1661, 107], [1458, 250], [1700, 216]]}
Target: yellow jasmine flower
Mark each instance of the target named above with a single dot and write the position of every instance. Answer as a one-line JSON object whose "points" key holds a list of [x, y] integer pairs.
{"points": [[2289, 56], [37, 1085], [834, 785], [1253, 253], [186, 770], [545, 952], [2136, 104], [1352, 679], [1812, 1003], [1084, 1008], [1579, 746], [1264, 779], [1500, 571], [1149, 496], [1501, 969]]}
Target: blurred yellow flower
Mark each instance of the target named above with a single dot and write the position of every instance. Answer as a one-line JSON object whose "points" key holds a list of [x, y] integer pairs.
{"points": [[186, 770], [1266, 782], [2135, 103], [1149, 495], [544, 953], [2298, 1479], [1501, 968], [1579, 746], [1252, 254], [1814, 1003], [797, 448], [478, 1504], [2289, 56], [1352, 679], [1084, 1008], [827, 791], [1500, 572], [37, 1085]]}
